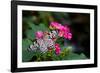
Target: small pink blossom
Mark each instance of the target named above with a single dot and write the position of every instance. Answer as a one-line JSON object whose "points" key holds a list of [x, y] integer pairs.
{"points": [[57, 49], [67, 29], [55, 25], [61, 33], [39, 34], [64, 31], [69, 36], [66, 35]]}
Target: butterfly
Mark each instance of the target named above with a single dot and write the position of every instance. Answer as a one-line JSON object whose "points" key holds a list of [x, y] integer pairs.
{"points": [[45, 43]]}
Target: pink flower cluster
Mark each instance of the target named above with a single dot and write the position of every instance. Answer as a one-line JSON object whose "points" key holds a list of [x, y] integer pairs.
{"points": [[45, 37], [63, 31], [57, 49]]}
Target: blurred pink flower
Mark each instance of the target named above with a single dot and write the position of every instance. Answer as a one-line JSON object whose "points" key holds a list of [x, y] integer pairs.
{"points": [[57, 49], [55, 25], [39, 34], [66, 28], [69, 36], [63, 31], [66, 35]]}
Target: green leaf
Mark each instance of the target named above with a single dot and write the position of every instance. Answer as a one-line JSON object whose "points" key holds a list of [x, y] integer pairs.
{"points": [[74, 56], [30, 34], [26, 55], [83, 56]]}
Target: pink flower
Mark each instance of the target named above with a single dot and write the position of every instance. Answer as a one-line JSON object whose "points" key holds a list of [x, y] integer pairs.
{"points": [[61, 33], [39, 34], [69, 36], [67, 29], [66, 35], [65, 32], [57, 49], [55, 25]]}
